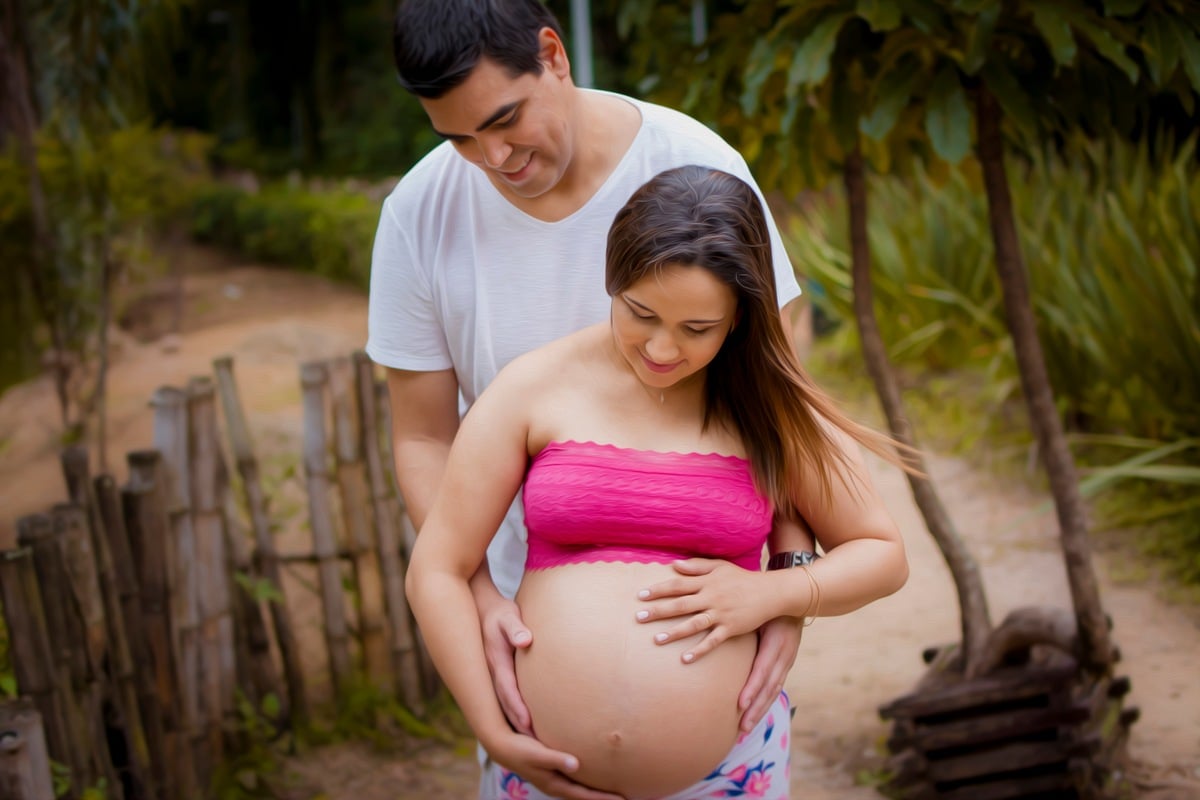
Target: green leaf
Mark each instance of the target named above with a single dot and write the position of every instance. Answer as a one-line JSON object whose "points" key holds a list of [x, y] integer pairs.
{"points": [[1161, 49], [891, 96], [881, 15], [1122, 8], [1057, 33], [947, 117], [1189, 47], [759, 66], [1011, 96], [1106, 45], [976, 6], [979, 39], [810, 64]]}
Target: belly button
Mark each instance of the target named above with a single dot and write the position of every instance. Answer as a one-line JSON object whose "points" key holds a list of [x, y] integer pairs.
{"points": [[614, 739]]}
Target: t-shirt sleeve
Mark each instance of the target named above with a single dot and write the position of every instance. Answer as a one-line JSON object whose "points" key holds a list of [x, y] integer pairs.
{"points": [[403, 330]]}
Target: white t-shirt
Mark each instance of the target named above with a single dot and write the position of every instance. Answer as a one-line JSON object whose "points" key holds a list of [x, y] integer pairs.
{"points": [[462, 279]]}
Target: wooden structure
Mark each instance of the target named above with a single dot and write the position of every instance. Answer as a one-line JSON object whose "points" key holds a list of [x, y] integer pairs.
{"points": [[138, 616], [1036, 726]]}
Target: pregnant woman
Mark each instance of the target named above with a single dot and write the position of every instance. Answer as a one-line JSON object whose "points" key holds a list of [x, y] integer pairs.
{"points": [[674, 433]]}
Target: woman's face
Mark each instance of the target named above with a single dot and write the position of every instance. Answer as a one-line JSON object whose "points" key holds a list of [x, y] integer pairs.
{"points": [[669, 326]]}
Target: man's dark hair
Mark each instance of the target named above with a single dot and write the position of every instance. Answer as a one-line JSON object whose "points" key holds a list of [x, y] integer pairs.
{"points": [[436, 43]]}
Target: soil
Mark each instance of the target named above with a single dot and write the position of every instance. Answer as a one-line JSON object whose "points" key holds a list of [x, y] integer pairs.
{"points": [[271, 320]]}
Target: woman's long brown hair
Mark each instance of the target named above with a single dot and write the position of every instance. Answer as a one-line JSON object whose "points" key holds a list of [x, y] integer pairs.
{"points": [[697, 216]]}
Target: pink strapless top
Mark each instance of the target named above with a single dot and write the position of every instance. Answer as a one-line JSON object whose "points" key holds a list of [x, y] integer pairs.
{"points": [[588, 502]]}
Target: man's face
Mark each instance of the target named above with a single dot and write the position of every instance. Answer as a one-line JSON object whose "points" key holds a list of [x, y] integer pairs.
{"points": [[517, 130]]}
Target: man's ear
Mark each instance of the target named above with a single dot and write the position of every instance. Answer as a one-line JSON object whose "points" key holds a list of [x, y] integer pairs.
{"points": [[552, 53]]}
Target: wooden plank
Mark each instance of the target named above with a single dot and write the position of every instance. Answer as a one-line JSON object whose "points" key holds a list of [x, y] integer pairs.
{"points": [[142, 724], [66, 636], [24, 759], [999, 687], [999, 726], [29, 643], [268, 561], [218, 679], [405, 660], [1006, 758], [145, 508], [355, 506], [171, 435], [86, 606], [313, 381]]}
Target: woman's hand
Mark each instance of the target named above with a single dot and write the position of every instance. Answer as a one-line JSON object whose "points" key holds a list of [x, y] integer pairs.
{"points": [[546, 769], [719, 598]]}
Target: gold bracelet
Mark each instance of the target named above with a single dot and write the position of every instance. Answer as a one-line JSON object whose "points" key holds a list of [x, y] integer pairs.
{"points": [[814, 604]]}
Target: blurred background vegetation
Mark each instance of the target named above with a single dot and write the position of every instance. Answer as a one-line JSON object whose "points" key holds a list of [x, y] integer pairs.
{"points": [[273, 129]]}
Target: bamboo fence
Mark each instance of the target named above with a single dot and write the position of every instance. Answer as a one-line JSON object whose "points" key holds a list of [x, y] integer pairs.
{"points": [[141, 617]]}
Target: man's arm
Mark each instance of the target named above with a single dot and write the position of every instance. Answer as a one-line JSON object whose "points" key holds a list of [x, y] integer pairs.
{"points": [[424, 409], [424, 422]]}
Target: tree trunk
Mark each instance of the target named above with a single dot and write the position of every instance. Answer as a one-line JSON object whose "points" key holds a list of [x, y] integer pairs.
{"points": [[1039, 397], [20, 118], [972, 602]]}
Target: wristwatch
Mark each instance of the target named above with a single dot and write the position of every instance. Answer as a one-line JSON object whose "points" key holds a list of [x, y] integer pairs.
{"points": [[792, 558]]}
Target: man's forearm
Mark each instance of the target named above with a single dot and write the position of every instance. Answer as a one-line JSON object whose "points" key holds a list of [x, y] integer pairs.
{"points": [[790, 535], [420, 465]]}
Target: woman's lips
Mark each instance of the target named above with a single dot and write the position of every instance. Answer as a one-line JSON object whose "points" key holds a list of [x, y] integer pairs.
{"points": [[654, 366]]}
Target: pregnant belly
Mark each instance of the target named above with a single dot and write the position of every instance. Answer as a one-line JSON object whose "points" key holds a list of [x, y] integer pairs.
{"points": [[641, 722]]}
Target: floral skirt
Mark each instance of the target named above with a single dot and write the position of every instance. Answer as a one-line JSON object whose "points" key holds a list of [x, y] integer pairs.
{"points": [[757, 766]]}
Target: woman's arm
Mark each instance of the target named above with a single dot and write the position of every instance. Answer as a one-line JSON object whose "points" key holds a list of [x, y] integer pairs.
{"points": [[484, 471], [864, 561]]}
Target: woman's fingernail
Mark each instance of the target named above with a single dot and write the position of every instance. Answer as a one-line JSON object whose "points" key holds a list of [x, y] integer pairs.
{"points": [[643, 594], [689, 658], [643, 615], [660, 637], [570, 763], [520, 637]]}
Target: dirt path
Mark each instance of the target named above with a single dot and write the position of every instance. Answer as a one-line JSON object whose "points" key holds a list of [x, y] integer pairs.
{"points": [[270, 321]]}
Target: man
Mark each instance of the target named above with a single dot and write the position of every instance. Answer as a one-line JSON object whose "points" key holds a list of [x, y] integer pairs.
{"points": [[494, 244]]}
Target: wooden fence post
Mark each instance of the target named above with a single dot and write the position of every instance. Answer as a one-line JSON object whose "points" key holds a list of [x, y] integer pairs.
{"points": [[171, 439], [85, 493], [145, 506], [91, 688], [268, 559], [143, 716], [352, 485], [24, 762], [68, 652], [29, 642], [405, 663], [313, 379], [219, 678]]}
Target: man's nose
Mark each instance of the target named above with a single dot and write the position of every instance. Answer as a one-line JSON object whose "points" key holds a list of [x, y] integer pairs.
{"points": [[495, 151]]}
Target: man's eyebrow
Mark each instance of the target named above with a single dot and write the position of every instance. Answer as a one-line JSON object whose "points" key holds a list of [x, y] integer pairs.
{"points": [[499, 114]]}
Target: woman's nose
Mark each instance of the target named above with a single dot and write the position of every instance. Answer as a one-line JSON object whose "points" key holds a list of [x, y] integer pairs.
{"points": [[662, 348]]}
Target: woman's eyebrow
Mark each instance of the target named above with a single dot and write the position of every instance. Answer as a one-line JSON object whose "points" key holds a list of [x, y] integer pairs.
{"points": [[649, 310]]}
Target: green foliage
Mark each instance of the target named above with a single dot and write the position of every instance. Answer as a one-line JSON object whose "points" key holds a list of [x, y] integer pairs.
{"points": [[1111, 235], [327, 232], [103, 195]]}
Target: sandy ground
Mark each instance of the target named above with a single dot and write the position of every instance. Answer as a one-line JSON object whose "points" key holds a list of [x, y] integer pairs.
{"points": [[271, 320]]}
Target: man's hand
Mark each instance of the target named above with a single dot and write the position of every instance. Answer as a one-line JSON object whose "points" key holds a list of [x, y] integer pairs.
{"points": [[778, 642], [715, 596], [504, 632], [545, 768]]}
